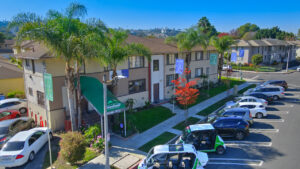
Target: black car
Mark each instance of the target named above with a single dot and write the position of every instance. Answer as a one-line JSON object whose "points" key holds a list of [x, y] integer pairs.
{"points": [[232, 127], [281, 83], [262, 96]]}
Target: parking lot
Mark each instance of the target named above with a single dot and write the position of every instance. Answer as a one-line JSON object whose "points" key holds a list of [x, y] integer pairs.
{"points": [[273, 141]]}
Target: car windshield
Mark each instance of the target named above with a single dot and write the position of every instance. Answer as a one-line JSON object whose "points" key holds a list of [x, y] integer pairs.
{"points": [[14, 146], [3, 130], [185, 133], [150, 153]]}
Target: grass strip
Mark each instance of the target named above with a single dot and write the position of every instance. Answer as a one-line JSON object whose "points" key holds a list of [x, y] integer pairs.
{"points": [[181, 126], [159, 140]]}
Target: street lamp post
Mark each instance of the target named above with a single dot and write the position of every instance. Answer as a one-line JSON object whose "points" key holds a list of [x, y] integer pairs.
{"points": [[105, 127], [287, 62]]}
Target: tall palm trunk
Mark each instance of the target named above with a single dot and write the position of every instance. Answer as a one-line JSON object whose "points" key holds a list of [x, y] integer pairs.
{"points": [[114, 81], [70, 95], [220, 67], [79, 111]]}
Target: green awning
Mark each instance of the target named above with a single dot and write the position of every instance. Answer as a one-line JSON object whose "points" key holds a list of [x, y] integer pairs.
{"points": [[92, 90]]}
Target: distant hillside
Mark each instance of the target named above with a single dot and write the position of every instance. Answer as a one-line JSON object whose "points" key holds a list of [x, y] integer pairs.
{"points": [[156, 32], [3, 28]]}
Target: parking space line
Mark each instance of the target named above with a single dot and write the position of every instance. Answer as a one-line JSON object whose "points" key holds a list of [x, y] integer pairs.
{"points": [[270, 120], [278, 112], [248, 143], [235, 161], [264, 130]]}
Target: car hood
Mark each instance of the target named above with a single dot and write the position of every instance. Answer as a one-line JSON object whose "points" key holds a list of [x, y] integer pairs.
{"points": [[203, 158]]}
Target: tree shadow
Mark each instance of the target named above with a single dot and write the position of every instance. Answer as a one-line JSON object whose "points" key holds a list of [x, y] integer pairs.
{"points": [[254, 137], [271, 109], [289, 94], [276, 103], [261, 125], [272, 116]]}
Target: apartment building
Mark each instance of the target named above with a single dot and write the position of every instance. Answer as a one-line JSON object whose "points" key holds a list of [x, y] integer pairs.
{"points": [[147, 80], [6, 48], [271, 49]]}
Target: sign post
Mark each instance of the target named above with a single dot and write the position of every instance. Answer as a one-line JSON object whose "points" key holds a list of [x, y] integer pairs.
{"points": [[48, 90]]}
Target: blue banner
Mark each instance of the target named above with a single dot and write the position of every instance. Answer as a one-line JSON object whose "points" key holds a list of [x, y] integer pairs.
{"points": [[213, 58], [233, 57], [179, 66], [241, 53]]}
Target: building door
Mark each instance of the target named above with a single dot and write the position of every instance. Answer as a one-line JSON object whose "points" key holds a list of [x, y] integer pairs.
{"points": [[156, 92]]}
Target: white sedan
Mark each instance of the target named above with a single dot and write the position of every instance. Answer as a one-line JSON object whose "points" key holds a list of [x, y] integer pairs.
{"points": [[257, 109], [244, 99], [14, 104], [23, 146]]}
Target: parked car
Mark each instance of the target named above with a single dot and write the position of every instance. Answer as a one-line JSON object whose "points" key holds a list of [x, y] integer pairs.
{"points": [[23, 146], [235, 127], [227, 68], [243, 99], [298, 68], [204, 137], [257, 110], [174, 156], [281, 83], [276, 92], [262, 96], [14, 104], [237, 112], [9, 128], [9, 114]]}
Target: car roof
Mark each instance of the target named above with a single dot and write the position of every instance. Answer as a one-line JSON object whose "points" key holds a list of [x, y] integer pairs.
{"points": [[9, 100], [236, 109], [250, 103], [229, 118], [197, 127], [23, 135], [167, 148], [7, 123], [247, 97]]}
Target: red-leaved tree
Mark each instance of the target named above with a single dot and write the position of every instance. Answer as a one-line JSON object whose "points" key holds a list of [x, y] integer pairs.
{"points": [[185, 93]]}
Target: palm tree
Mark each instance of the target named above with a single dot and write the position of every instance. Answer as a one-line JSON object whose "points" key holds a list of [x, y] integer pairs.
{"points": [[185, 42], [222, 45], [116, 50], [58, 32]]}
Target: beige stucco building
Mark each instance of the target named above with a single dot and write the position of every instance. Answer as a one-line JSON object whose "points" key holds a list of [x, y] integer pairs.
{"points": [[148, 80]]}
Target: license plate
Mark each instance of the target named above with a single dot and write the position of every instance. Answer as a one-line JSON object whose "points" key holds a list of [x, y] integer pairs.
{"points": [[6, 158]]}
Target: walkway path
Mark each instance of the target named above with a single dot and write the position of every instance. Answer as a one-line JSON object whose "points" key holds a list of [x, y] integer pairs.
{"points": [[138, 140]]}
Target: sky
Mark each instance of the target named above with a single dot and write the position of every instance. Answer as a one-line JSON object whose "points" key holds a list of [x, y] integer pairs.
{"points": [[179, 14]]}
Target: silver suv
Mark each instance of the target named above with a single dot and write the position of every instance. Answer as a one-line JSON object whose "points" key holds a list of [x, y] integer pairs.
{"points": [[276, 92]]}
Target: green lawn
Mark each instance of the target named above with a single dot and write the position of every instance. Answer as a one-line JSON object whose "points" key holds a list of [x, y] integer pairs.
{"points": [[228, 83], [181, 126], [161, 139], [258, 68], [245, 89], [145, 119]]}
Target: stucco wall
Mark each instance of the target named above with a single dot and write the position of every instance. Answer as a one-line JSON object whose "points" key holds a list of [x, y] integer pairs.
{"points": [[9, 85], [139, 98]]}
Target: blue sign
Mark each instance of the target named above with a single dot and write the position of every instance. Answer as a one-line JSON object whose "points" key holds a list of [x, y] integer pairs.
{"points": [[179, 66], [233, 57], [241, 53], [213, 58]]}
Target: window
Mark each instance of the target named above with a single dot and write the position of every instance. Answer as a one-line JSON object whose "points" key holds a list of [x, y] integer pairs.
{"points": [[169, 79], [199, 55], [30, 91], [207, 71], [155, 65], [27, 62], [207, 55], [171, 59], [198, 72], [33, 67], [188, 58], [136, 61], [137, 86], [40, 98], [14, 146]]}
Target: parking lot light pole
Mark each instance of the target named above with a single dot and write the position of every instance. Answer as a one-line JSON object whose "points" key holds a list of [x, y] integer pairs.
{"points": [[105, 126]]}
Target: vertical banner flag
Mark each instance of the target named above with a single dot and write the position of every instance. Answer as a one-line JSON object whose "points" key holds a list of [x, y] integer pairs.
{"points": [[124, 73], [213, 58], [48, 86], [179, 64], [241, 53], [233, 57]]}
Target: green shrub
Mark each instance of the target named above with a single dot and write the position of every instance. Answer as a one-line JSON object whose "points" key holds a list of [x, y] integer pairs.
{"points": [[257, 59], [98, 143], [72, 146], [16, 94], [92, 133]]}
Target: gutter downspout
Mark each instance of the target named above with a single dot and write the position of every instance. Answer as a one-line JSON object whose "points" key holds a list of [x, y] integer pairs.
{"points": [[149, 81]]}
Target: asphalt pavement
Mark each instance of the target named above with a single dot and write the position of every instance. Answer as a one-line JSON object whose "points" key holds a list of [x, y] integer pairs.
{"points": [[274, 142]]}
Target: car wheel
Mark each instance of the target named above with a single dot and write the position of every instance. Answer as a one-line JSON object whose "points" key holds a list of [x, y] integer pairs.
{"points": [[259, 115], [220, 150], [23, 110], [240, 135], [31, 156], [276, 97]]}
